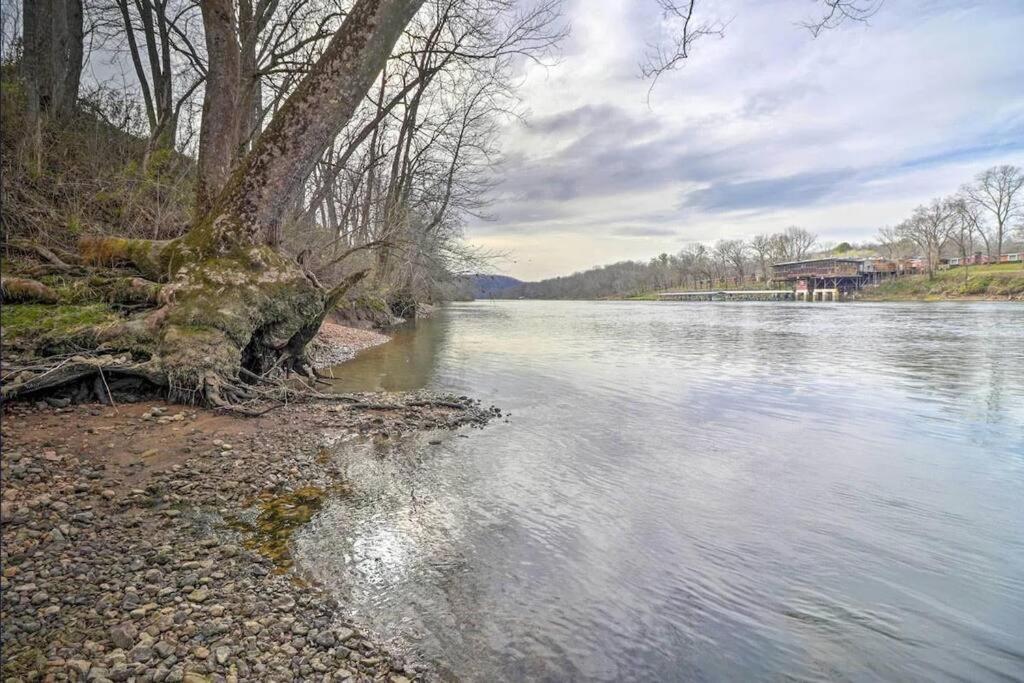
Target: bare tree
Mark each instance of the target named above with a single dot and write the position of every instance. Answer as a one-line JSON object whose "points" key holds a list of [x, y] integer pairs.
{"points": [[963, 229], [153, 34], [794, 243], [687, 29], [733, 253], [891, 241], [929, 228], [763, 247], [231, 303], [998, 191]]}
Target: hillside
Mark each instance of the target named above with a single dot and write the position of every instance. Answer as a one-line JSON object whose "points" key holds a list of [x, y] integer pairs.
{"points": [[484, 286], [1002, 281]]}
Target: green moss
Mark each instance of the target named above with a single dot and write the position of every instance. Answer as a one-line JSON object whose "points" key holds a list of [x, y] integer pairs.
{"points": [[277, 519], [52, 322]]}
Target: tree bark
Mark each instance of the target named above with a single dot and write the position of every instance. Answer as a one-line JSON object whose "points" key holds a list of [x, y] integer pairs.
{"points": [[271, 176], [250, 86], [219, 129], [53, 40]]}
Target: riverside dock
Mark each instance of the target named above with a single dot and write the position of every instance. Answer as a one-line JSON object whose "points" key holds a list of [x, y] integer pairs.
{"points": [[729, 295]]}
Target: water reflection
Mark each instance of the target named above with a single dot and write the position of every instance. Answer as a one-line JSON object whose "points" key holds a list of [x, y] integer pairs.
{"points": [[697, 492], [406, 363]]}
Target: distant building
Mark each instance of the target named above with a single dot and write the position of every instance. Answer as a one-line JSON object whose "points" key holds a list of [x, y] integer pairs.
{"points": [[979, 259], [831, 278]]}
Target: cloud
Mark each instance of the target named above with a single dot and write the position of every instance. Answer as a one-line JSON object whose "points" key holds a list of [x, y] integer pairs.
{"points": [[764, 128], [796, 190], [644, 231]]}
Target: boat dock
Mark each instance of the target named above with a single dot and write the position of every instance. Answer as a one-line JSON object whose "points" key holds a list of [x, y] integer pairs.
{"points": [[729, 295]]}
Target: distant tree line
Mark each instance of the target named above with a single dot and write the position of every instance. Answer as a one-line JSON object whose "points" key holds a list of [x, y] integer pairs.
{"points": [[986, 215], [727, 262]]}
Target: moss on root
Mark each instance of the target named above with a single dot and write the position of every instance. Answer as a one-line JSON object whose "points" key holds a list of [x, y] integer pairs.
{"points": [[214, 312], [152, 258], [48, 327]]}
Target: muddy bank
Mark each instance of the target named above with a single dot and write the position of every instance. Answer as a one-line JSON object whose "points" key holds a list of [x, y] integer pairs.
{"points": [[149, 542]]}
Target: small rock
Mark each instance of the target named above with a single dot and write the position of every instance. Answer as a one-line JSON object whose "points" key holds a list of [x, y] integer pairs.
{"points": [[123, 636], [324, 639], [81, 666]]}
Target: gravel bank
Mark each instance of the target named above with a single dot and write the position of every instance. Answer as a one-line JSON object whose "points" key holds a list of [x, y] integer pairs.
{"points": [[124, 558], [334, 344]]}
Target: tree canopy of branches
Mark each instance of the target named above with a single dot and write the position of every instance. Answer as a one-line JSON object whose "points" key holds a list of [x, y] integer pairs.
{"points": [[981, 213], [686, 27], [326, 132], [999, 193], [929, 228]]}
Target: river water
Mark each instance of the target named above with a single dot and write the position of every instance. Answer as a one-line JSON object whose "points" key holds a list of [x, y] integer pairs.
{"points": [[695, 491]]}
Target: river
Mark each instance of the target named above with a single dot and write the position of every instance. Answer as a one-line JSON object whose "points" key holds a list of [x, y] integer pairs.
{"points": [[695, 491]]}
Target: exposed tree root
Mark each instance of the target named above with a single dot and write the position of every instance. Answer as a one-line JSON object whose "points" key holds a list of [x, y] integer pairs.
{"points": [[23, 290], [47, 255], [224, 326], [22, 379]]}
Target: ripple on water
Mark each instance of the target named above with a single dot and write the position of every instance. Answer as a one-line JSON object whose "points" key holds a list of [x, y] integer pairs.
{"points": [[697, 492]]}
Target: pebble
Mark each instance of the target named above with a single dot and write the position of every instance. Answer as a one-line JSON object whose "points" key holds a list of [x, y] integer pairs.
{"points": [[130, 558]]}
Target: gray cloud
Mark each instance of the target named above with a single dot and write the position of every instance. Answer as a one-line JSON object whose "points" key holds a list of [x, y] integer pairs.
{"points": [[795, 190], [761, 129]]}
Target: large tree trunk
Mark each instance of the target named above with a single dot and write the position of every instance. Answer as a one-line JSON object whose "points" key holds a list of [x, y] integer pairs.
{"points": [[250, 86], [51, 64], [218, 138], [229, 299], [283, 156], [53, 55]]}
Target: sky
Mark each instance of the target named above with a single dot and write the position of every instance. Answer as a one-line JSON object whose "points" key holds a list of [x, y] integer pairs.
{"points": [[764, 128]]}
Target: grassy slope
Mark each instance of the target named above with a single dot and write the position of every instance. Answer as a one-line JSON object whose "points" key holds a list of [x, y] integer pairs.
{"points": [[1002, 281]]}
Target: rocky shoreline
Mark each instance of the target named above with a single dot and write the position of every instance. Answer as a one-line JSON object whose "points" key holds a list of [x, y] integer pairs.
{"points": [[124, 558], [334, 344]]}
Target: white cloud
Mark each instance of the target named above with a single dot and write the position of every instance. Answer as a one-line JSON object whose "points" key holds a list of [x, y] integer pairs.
{"points": [[764, 128]]}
